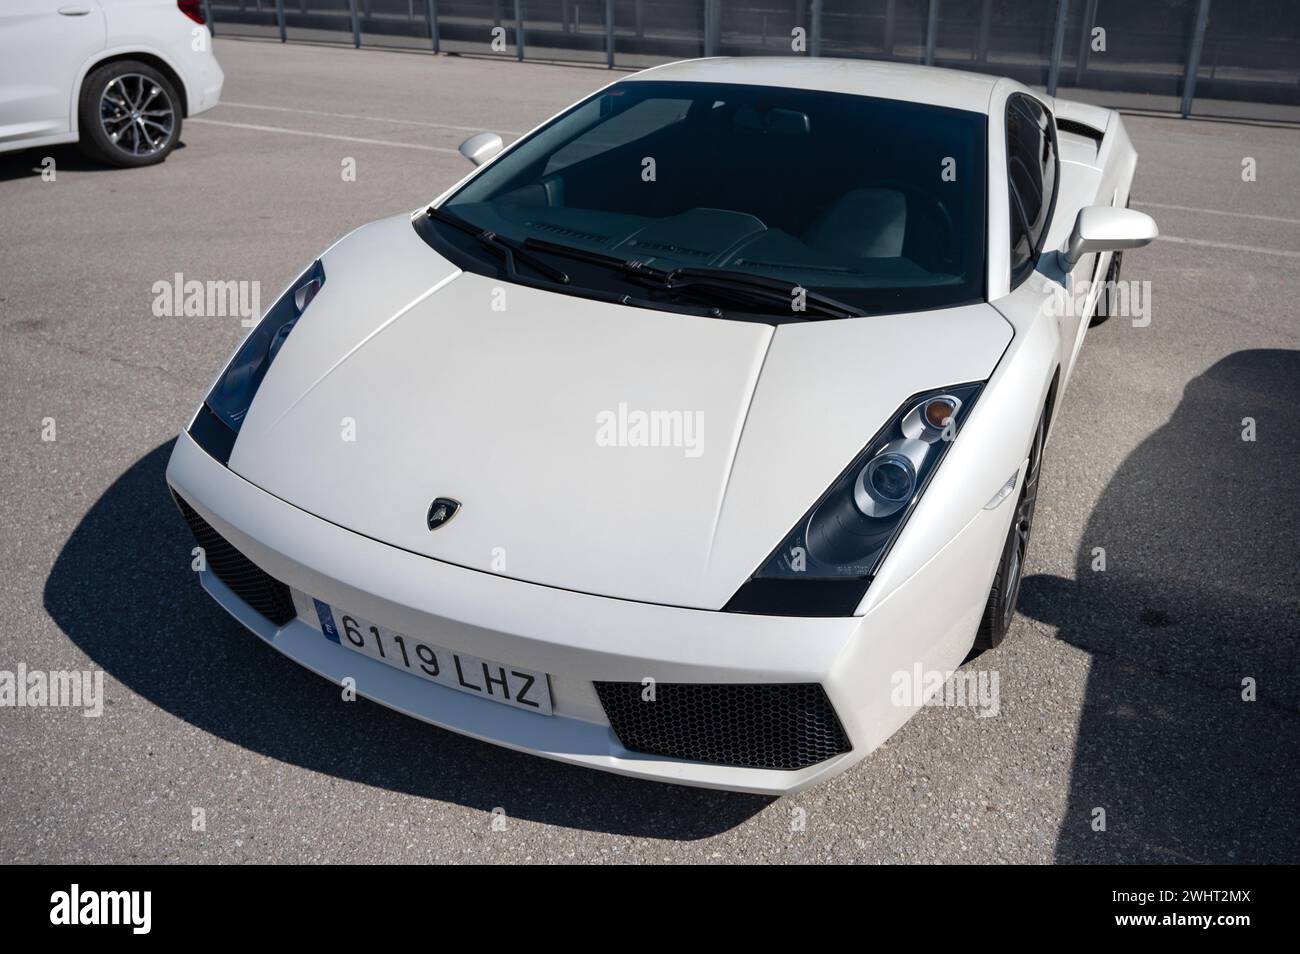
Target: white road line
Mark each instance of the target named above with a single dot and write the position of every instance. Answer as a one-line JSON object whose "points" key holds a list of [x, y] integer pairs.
{"points": [[377, 119], [1238, 248], [320, 135], [1239, 215]]}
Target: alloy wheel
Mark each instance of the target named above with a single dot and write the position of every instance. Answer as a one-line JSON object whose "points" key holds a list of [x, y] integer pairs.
{"points": [[137, 115]]}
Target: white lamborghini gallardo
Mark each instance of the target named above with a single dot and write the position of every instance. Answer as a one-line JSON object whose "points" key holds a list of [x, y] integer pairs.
{"points": [[666, 439]]}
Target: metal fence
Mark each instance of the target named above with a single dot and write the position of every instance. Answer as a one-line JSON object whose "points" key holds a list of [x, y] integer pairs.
{"points": [[1165, 54]]}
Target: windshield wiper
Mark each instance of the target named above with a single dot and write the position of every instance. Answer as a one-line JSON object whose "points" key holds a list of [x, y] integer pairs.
{"points": [[508, 250], [634, 268], [741, 288], [745, 288]]}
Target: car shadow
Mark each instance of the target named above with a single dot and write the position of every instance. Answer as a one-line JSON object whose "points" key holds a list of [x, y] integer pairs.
{"points": [[1199, 592], [122, 590], [30, 163]]}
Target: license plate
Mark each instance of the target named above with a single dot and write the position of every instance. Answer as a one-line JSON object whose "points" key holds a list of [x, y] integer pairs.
{"points": [[512, 685]]}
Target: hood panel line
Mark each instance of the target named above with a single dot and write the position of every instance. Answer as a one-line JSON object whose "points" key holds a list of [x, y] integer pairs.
{"points": [[735, 448], [432, 290]]}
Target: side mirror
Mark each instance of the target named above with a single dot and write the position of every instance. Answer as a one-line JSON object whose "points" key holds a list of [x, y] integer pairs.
{"points": [[480, 148], [1102, 228]]}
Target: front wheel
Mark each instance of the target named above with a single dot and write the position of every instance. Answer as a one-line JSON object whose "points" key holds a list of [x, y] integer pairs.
{"points": [[130, 114], [1005, 591]]}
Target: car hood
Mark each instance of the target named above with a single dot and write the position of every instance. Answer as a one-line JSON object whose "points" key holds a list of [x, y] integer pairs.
{"points": [[601, 448]]}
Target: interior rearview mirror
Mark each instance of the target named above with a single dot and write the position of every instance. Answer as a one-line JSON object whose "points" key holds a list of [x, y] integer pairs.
{"points": [[481, 147], [1102, 228]]}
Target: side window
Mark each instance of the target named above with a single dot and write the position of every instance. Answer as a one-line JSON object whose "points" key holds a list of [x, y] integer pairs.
{"points": [[1031, 173]]}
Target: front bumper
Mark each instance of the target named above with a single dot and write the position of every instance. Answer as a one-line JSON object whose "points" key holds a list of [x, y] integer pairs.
{"points": [[580, 639]]}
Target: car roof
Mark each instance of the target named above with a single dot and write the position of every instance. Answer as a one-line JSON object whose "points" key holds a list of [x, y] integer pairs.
{"points": [[957, 89]]}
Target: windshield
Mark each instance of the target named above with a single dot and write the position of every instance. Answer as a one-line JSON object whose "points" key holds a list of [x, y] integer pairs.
{"points": [[878, 203]]}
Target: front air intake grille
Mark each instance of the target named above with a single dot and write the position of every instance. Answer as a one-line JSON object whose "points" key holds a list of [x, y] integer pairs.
{"points": [[763, 725], [263, 592]]}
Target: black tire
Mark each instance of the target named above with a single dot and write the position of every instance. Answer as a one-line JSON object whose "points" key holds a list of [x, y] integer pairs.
{"points": [[130, 114], [1106, 300], [1004, 593]]}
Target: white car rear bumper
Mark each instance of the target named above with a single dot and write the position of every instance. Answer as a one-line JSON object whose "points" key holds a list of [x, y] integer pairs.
{"points": [[203, 77]]}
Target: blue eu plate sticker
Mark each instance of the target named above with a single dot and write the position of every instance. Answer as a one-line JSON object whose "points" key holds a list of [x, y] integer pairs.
{"points": [[326, 620]]}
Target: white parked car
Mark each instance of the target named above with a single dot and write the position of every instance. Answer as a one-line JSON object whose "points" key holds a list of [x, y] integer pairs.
{"points": [[116, 76], [667, 441]]}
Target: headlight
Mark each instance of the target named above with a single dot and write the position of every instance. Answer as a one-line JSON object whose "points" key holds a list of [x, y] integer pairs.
{"points": [[825, 563], [218, 421]]}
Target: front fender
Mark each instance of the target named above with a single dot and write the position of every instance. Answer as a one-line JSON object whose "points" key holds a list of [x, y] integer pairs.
{"points": [[992, 447]]}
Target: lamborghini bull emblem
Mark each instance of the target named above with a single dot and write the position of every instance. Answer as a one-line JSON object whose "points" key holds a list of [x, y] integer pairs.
{"points": [[441, 511]]}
